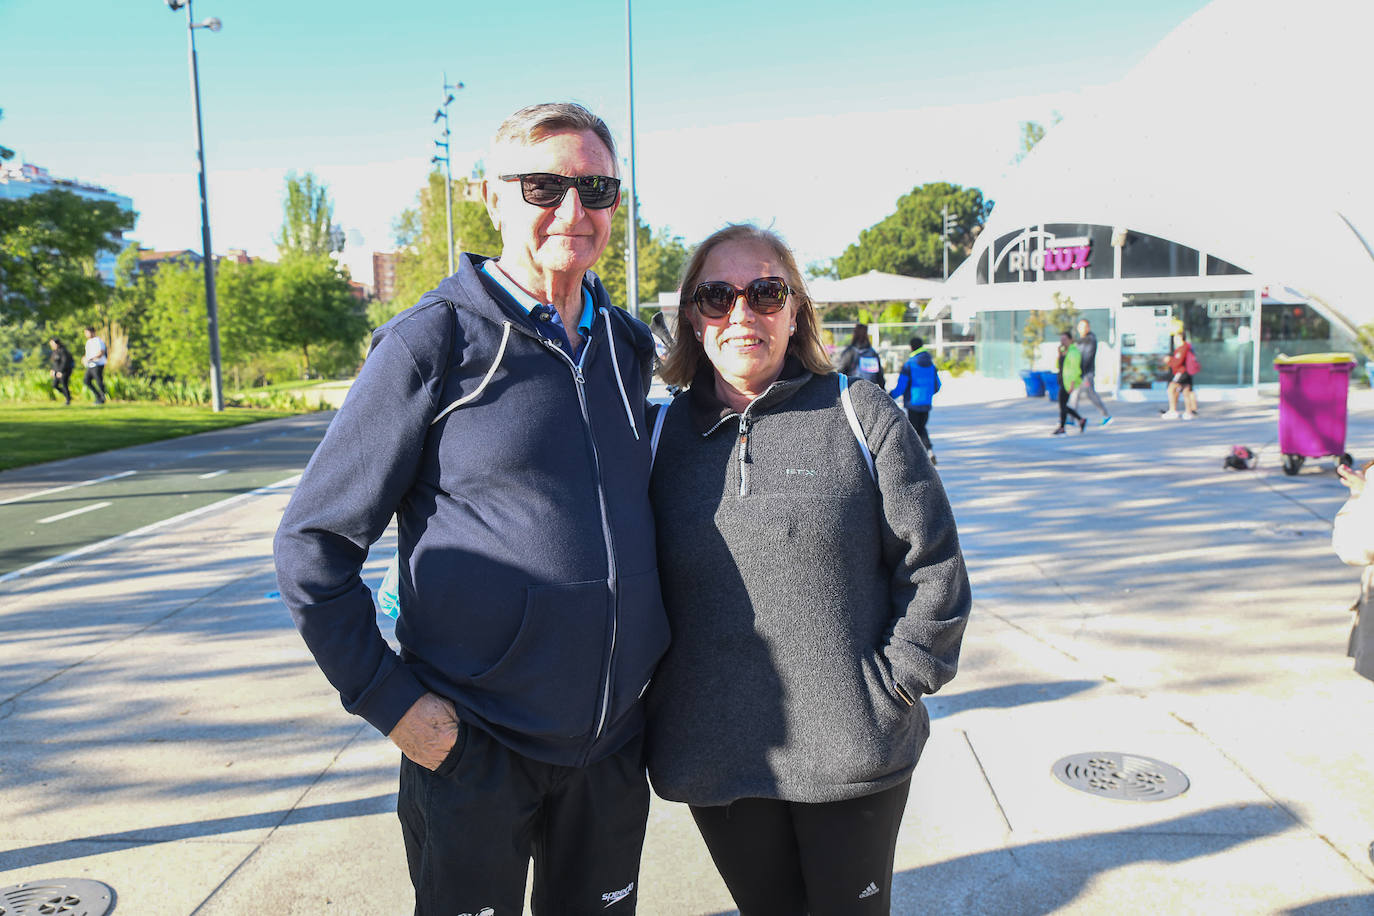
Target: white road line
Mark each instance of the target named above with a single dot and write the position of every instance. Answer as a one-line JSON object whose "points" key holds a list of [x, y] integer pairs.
{"points": [[185, 516], [82, 511], [70, 486], [213, 474]]}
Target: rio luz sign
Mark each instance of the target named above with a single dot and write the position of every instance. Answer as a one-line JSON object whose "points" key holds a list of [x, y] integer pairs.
{"points": [[1056, 255]]}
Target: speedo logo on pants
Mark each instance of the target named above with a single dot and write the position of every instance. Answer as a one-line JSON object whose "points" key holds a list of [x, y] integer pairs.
{"points": [[611, 898]]}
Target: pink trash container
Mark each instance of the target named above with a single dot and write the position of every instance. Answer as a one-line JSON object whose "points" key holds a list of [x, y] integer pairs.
{"points": [[1312, 408]]}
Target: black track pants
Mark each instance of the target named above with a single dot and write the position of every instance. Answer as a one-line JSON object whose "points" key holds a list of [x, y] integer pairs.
{"points": [[1065, 411], [472, 826], [791, 859], [918, 419], [95, 380]]}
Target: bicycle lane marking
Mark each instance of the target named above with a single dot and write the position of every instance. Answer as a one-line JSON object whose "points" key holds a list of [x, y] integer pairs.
{"points": [[176, 519], [71, 486]]}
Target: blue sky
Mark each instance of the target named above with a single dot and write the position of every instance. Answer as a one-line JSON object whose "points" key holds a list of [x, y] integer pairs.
{"points": [[811, 117]]}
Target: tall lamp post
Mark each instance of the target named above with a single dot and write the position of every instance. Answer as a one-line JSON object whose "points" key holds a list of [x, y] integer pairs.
{"points": [[632, 223], [211, 307], [447, 160]]}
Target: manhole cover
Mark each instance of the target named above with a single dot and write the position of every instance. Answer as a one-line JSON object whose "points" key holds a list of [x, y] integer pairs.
{"points": [[67, 896], [1129, 777]]}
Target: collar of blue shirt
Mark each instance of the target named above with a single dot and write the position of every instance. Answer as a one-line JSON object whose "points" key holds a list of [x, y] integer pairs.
{"points": [[529, 303]]}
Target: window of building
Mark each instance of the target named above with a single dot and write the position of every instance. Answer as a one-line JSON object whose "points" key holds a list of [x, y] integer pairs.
{"points": [[1219, 326], [1293, 330], [1151, 256], [1216, 267]]}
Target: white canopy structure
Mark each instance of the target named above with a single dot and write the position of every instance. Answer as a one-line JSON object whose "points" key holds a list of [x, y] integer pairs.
{"points": [[1246, 134], [874, 286]]}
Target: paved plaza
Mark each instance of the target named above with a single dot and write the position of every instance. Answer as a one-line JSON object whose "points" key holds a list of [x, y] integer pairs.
{"points": [[163, 729]]}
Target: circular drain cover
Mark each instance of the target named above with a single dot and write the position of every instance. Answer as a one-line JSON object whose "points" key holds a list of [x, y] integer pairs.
{"points": [[1129, 777], [64, 896]]}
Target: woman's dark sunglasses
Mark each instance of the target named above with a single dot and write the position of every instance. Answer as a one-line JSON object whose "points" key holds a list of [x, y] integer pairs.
{"points": [[545, 189], [766, 295]]}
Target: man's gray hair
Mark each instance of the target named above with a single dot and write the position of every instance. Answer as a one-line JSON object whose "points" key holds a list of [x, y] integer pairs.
{"points": [[532, 124]]}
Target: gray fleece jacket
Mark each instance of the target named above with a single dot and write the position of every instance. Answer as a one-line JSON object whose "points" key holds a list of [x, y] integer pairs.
{"points": [[810, 608]]}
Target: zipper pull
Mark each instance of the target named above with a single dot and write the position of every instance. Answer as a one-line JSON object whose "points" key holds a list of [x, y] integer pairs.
{"points": [[744, 440]]}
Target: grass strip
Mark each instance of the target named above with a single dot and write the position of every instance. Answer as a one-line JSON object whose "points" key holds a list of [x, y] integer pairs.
{"points": [[34, 433]]}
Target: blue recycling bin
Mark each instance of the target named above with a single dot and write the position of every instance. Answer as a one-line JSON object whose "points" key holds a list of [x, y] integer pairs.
{"points": [[1051, 382], [1035, 385]]}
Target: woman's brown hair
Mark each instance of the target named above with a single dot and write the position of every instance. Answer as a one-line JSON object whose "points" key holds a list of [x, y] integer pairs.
{"points": [[686, 354]]}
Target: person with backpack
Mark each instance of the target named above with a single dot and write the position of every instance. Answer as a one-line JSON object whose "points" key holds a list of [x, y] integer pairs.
{"points": [[61, 363], [917, 383], [814, 585], [1184, 365], [860, 360], [1070, 376]]}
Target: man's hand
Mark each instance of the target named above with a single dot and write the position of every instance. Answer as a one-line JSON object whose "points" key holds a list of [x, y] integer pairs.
{"points": [[428, 731]]}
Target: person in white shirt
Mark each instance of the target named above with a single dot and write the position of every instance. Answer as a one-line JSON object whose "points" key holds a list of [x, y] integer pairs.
{"points": [[96, 356]]}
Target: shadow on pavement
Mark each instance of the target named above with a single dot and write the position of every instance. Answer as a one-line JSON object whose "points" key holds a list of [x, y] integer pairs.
{"points": [[42, 854], [1037, 878], [1006, 696]]}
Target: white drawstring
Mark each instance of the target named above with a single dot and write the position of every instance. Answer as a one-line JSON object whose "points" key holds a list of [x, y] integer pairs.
{"points": [[615, 362], [500, 352]]}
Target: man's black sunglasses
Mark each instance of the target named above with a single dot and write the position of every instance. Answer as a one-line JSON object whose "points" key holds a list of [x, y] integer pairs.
{"points": [[545, 189], [766, 295]]}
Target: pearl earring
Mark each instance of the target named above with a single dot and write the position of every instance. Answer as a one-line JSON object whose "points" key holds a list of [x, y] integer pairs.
{"points": [[698, 335]]}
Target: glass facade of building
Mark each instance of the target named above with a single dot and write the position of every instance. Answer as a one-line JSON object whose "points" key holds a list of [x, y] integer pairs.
{"points": [[1235, 329]]}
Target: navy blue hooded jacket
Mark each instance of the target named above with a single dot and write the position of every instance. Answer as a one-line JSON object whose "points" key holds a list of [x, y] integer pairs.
{"points": [[528, 582], [918, 381]]}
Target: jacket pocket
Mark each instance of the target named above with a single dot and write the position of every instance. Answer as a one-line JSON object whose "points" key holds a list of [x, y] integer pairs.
{"points": [[642, 638], [883, 690], [546, 682]]}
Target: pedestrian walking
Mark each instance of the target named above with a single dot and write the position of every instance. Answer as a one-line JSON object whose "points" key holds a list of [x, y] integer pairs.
{"points": [[1070, 375], [61, 363], [1087, 387], [813, 579], [860, 360], [917, 383], [1183, 364], [97, 354], [501, 422]]}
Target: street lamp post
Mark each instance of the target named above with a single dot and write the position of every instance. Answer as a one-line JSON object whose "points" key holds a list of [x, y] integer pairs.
{"points": [[447, 160], [211, 307]]}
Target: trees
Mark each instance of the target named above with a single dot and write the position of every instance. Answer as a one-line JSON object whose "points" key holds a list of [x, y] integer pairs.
{"points": [[1032, 132], [313, 305], [908, 240], [421, 237], [308, 222], [48, 245], [661, 259], [1062, 317]]}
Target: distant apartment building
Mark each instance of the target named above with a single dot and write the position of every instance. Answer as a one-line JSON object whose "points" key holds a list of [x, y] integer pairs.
{"points": [[150, 259], [21, 180], [384, 275]]}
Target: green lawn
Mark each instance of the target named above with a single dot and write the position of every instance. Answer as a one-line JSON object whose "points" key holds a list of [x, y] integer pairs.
{"points": [[33, 433]]}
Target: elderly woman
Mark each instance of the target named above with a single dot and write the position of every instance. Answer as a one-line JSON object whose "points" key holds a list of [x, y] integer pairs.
{"points": [[814, 586]]}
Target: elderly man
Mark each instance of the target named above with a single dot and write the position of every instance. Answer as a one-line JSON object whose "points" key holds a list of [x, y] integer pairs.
{"points": [[501, 420], [1087, 346]]}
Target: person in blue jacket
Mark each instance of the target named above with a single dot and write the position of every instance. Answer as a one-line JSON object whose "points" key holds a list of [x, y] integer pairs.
{"points": [[501, 421], [917, 383]]}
